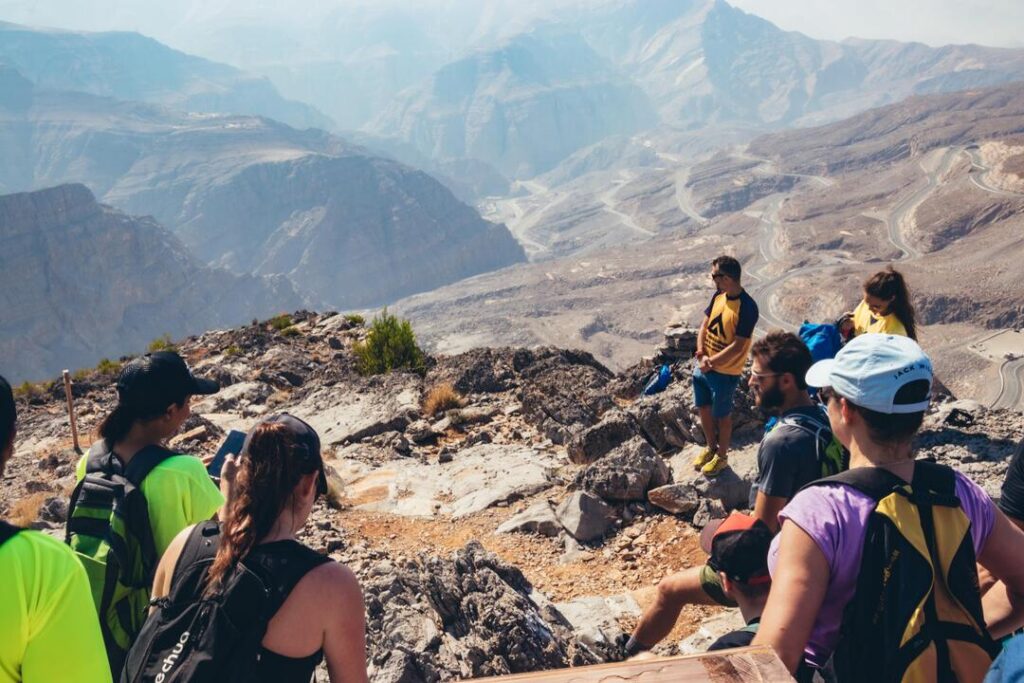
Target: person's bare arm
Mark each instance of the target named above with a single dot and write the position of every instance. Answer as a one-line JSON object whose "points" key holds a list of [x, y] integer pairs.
{"points": [[169, 561], [702, 335], [798, 589], [1004, 603], [767, 508], [345, 634]]}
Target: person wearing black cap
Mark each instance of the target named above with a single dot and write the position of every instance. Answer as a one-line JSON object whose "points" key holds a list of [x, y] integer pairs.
{"points": [[738, 550], [134, 495], [153, 395], [274, 484], [48, 626]]}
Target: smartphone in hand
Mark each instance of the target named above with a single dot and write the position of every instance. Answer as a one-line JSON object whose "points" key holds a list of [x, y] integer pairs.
{"points": [[232, 445]]}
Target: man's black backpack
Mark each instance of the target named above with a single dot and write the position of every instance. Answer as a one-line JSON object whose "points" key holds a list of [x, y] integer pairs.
{"points": [[108, 528], [916, 613], [198, 638]]}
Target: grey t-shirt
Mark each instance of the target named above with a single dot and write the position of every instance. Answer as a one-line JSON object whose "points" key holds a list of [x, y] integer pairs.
{"points": [[788, 456]]}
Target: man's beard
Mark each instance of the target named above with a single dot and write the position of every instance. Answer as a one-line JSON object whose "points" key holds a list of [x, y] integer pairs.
{"points": [[772, 400]]}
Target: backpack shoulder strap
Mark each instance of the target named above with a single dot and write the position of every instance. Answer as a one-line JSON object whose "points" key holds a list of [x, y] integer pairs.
{"points": [[99, 457], [7, 531], [198, 552], [875, 482], [935, 478], [282, 566], [143, 462]]}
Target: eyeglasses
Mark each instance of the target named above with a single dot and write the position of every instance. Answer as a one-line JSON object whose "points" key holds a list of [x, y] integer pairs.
{"points": [[759, 375], [715, 276]]}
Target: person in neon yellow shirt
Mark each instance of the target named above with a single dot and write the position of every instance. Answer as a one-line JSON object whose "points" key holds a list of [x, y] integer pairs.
{"points": [[49, 632], [153, 392], [886, 307]]}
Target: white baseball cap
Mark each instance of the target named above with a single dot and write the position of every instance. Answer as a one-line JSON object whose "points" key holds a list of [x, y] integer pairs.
{"points": [[871, 369]]}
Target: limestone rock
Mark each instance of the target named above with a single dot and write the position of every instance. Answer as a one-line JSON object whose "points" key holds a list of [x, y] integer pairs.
{"points": [[539, 518], [627, 473], [679, 499], [586, 517], [465, 616], [594, 442], [707, 511], [561, 391]]}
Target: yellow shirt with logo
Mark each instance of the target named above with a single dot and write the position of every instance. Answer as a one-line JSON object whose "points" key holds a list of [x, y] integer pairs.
{"points": [[728, 318], [179, 493], [49, 631], [864, 321]]}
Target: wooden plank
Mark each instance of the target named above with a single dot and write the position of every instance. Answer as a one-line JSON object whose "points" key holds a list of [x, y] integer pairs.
{"points": [[742, 665]]}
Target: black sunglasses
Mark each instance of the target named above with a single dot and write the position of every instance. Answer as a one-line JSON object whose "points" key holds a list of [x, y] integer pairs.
{"points": [[826, 394], [715, 276]]}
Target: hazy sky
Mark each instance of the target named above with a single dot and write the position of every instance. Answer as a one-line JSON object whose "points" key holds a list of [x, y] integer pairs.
{"points": [[936, 22]]}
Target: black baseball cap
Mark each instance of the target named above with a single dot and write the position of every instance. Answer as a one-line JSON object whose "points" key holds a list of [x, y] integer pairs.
{"points": [[307, 443], [738, 547], [156, 380]]}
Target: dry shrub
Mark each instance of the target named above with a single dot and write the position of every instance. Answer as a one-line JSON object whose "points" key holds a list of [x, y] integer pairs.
{"points": [[25, 511], [440, 398]]}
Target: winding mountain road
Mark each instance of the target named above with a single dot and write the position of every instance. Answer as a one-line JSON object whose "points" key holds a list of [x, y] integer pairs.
{"points": [[1011, 384], [979, 174]]}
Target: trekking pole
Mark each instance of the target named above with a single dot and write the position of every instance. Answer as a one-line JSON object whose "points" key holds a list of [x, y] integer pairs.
{"points": [[71, 410]]}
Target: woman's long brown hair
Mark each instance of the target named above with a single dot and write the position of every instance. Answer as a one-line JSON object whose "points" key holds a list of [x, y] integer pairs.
{"points": [[889, 284], [267, 476]]}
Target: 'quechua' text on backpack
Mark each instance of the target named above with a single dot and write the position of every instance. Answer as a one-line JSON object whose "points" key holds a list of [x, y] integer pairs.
{"points": [[197, 638], [916, 613], [108, 528]]}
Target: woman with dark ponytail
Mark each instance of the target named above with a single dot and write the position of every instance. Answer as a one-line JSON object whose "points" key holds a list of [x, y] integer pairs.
{"points": [[271, 488], [886, 307]]}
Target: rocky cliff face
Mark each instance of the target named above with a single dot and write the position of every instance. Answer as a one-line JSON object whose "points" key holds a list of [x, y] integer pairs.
{"points": [[353, 229], [82, 281], [521, 107], [129, 66]]}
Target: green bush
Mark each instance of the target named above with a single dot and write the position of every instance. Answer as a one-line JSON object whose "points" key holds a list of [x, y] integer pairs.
{"points": [[290, 331], [281, 322], [163, 343], [233, 350], [355, 320], [27, 390], [81, 374], [108, 367], [389, 345]]}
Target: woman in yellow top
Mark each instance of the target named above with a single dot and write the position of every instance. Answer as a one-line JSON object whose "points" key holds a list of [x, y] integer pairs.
{"points": [[886, 307], [48, 627]]}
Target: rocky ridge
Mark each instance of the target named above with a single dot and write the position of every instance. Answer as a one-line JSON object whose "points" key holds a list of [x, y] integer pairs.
{"points": [[523, 529]]}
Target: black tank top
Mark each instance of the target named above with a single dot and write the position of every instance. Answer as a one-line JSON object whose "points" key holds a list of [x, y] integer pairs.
{"points": [[286, 559], [284, 564]]}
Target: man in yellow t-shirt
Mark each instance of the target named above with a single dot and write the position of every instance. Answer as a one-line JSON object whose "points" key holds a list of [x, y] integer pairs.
{"points": [[49, 632], [723, 346]]}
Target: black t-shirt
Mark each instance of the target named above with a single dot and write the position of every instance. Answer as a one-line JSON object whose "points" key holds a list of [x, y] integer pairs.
{"points": [[740, 638], [1011, 500], [787, 458]]}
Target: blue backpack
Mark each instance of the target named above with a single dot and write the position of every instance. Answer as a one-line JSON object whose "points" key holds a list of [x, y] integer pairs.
{"points": [[822, 339], [659, 381]]}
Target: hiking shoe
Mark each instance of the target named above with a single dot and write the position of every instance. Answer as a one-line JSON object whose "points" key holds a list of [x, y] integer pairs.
{"points": [[715, 466], [703, 459]]}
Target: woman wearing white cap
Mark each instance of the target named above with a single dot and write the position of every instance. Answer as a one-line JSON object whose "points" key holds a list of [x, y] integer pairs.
{"points": [[877, 564]]}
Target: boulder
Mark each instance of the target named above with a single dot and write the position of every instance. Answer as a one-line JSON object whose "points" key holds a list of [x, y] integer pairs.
{"points": [[707, 511], [584, 516], [340, 413], [562, 392], [710, 630], [627, 473], [539, 518], [596, 621], [679, 499], [594, 442], [667, 419]]}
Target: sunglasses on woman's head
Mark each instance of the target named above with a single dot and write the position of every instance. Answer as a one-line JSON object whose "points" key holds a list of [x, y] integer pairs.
{"points": [[826, 394]]}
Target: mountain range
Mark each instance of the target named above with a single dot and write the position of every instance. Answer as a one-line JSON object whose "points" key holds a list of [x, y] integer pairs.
{"points": [[83, 280]]}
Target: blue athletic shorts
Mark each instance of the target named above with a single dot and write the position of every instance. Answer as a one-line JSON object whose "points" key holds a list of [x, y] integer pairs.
{"points": [[716, 390]]}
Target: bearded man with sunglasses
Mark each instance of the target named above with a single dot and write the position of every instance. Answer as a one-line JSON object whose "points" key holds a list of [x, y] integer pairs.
{"points": [[787, 458]]}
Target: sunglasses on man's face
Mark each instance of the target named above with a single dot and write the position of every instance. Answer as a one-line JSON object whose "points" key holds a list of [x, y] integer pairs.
{"points": [[716, 276]]}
